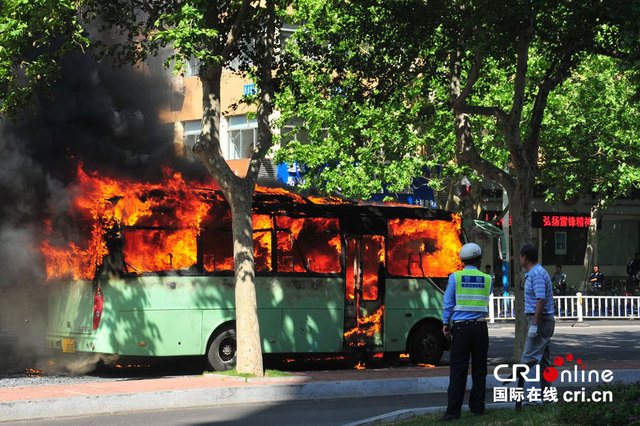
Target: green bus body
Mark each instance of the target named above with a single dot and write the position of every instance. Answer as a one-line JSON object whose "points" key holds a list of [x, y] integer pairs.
{"points": [[171, 315], [191, 311]]}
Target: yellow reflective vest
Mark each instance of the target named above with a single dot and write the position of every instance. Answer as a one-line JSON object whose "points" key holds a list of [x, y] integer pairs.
{"points": [[472, 291]]}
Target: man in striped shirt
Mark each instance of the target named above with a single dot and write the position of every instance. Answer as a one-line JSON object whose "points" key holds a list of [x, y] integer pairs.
{"points": [[538, 307]]}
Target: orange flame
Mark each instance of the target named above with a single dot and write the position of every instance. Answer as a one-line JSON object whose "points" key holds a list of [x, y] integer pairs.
{"points": [[424, 247], [281, 192], [368, 325], [370, 273], [315, 238], [133, 365], [32, 372], [170, 209], [262, 242], [327, 200], [159, 224]]}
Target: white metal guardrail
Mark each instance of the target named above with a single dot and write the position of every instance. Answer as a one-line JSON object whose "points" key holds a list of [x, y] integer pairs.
{"points": [[576, 307]]}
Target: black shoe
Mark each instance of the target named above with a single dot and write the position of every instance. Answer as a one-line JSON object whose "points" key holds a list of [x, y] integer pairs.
{"points": [[448, 418]]}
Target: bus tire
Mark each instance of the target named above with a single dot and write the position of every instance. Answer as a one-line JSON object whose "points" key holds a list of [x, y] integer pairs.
{"points": [[426, 345], [223, 349]]}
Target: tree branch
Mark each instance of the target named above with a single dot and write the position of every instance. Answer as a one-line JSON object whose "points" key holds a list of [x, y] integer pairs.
{"points": [[473, 77], [600, 50], [460, 102], [233, 33], [499, 113], [522, 66], [556, 74], [231, 37], [466, 148], [150, 11], [265, 84], [472, 158]]}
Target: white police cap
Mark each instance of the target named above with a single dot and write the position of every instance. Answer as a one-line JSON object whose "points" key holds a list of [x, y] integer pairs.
{"points": [[470, 251]]}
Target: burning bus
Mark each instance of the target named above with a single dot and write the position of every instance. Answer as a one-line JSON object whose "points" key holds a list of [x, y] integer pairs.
{"points": [[154, 275]]}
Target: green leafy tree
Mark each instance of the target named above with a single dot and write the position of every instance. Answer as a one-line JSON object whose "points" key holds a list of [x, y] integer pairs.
{"points": [[470, 82], [34, 36]]}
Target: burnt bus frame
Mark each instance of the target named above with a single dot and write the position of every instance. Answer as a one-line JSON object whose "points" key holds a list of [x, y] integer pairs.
{"points": [[353, 219]]}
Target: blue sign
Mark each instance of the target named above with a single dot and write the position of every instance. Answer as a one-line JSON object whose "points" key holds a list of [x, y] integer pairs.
{"points": [[249, 89]]}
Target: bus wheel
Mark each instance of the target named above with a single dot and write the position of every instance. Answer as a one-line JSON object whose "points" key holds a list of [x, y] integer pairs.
{"points": [[426, 345], [222, 351]]}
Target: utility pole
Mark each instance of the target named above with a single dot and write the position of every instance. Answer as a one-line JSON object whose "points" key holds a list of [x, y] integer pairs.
{"points": [[506, 269]]}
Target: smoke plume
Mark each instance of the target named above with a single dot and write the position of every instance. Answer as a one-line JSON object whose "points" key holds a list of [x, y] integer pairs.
{"points": [[102, 117]]}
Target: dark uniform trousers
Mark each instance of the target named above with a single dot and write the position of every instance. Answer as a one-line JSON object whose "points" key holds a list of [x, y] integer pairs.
{"points": [[468, 338]]}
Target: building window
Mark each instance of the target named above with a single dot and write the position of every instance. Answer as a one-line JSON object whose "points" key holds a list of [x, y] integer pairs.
{"points": [[561, 243], [190, 133], [192, 67], [563, 247], [243, 136], [618, 241], [294, 130], [286, 31]]}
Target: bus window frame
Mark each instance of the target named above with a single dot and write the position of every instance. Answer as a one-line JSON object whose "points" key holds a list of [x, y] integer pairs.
{"points": [[339, 233]]}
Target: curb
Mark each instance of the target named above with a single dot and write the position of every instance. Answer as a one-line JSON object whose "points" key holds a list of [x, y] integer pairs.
{"points": [[400, 415], [202, 397], [252, 393]]}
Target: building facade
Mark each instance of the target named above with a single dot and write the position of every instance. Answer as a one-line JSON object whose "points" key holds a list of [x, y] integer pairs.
{"points": [[560, 231]]}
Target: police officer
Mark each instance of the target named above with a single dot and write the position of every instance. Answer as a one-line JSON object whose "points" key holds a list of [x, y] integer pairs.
{"points": [[466, 303]]}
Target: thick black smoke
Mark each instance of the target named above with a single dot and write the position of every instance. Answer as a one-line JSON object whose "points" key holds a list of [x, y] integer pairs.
{"points": [[103, 117]]}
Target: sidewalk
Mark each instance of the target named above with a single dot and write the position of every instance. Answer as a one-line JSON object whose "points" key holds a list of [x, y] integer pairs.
{"points": [[47, 401]]}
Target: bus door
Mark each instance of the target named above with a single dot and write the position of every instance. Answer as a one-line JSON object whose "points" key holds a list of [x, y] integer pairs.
{"points": [[364, 310]]}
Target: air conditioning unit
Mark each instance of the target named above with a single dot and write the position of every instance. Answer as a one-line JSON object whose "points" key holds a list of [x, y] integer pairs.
{"points": [[268, 171]]}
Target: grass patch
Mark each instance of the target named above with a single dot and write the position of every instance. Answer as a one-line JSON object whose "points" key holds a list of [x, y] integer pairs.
{"points": [[234, 372], [624, 409], [530, 416]]}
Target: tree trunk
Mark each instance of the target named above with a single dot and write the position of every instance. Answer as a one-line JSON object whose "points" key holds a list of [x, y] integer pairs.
{"points": [[473, 206], [519, 188], [249, 359], [450, 204], [520, 210], [239, 193], [591, 250], [248, 329]]}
